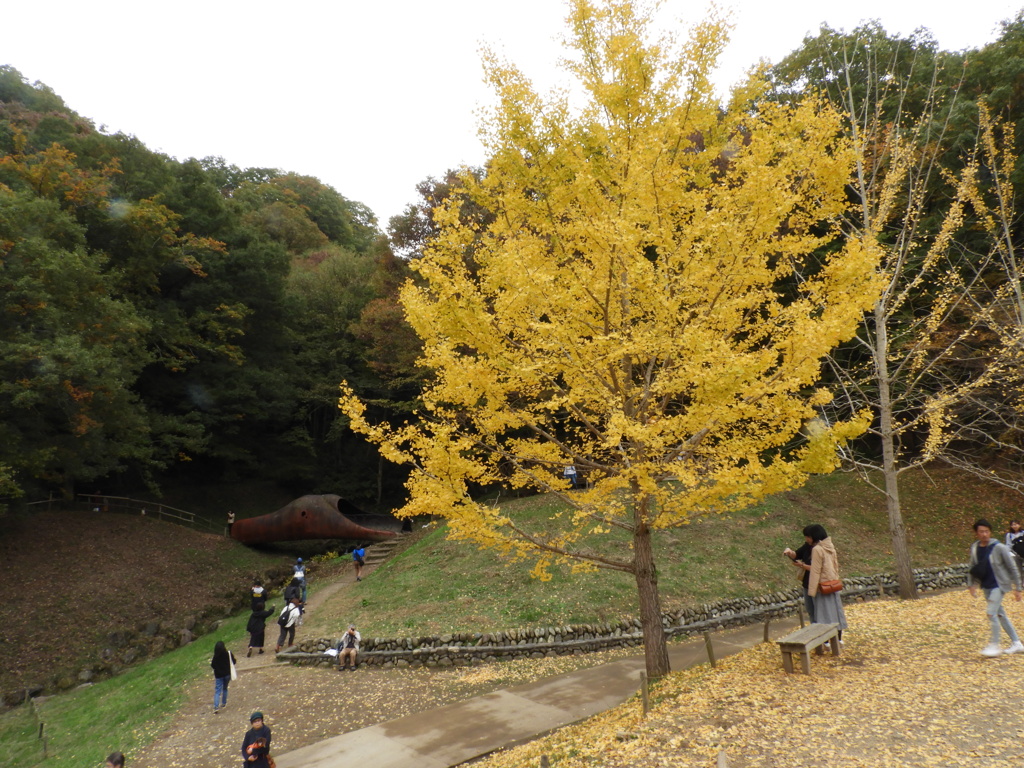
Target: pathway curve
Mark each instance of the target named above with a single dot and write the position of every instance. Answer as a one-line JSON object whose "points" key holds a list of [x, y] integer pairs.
{"points": [[376, 710], [451, 735]]}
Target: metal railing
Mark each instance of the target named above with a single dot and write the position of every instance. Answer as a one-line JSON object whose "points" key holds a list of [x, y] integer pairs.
{"points": [[123, 505]]}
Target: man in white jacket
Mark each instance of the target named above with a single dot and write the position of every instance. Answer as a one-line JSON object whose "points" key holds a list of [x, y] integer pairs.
{"points": [[287, 621], [994, 569]]}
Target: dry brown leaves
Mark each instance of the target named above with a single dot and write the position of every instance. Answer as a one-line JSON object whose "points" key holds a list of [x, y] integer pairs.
{"points": [[910, 689], [304, 705]]}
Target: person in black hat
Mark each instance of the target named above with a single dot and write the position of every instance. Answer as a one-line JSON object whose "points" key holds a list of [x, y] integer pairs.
{"points": [[256, 744]]}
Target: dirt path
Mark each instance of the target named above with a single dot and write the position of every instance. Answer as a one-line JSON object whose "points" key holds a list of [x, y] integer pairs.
{"points": [[303, 705]]}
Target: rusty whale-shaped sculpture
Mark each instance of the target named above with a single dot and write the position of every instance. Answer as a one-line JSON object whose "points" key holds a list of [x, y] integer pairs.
{"points": [[308, 517]]}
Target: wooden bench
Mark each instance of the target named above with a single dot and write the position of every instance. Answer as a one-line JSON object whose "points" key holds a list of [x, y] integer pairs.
{"points": [[803, 640]]}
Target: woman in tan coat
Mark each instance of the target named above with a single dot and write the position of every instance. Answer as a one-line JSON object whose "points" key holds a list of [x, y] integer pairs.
{"points": [[828, 609]]}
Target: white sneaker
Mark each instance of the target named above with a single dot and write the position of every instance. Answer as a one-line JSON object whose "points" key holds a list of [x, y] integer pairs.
{"points": [[1017, 647], [992, 649]]}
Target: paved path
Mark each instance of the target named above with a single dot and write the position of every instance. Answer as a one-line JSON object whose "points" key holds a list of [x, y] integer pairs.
{"points": [[451, 735]]}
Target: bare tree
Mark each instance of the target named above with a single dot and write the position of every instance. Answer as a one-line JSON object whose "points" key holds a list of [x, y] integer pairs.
{"points": [[936, 361]]}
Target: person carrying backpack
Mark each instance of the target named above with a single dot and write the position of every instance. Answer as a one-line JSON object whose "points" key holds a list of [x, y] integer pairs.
{"points": [[300, 574], [287, 620]]}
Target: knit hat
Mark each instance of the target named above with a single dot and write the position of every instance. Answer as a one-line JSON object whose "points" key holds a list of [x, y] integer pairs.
{"points": [[256, 716]]}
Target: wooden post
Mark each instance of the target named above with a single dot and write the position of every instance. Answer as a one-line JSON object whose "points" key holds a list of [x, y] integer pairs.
{"points": [[710, 649], [544, 762], [881, 587], [800, 613], [767, 622], [645, 693], [723, 759]]}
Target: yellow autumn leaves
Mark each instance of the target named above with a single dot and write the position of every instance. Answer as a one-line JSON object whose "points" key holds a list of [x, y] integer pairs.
{"points": [[910, 690]]}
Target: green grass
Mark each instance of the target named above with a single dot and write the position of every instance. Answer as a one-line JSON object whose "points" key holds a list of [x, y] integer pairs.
{"points": [[437, 586], [123, 713]]}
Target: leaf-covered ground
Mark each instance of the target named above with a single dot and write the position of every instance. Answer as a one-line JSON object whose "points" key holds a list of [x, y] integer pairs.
{"points": [[910, 689], [304, 705]]}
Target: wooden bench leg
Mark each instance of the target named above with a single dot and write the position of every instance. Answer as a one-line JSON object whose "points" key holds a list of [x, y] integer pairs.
{"points": [[787, 662], [805, 659], [835, 646]]}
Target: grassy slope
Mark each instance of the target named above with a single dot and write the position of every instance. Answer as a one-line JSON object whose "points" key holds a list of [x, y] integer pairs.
{"points": [[122, 713], [437, 585]]}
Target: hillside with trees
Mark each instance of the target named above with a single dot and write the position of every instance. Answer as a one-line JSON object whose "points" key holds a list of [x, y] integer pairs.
{"points": [[169, 322], [176, 323]]}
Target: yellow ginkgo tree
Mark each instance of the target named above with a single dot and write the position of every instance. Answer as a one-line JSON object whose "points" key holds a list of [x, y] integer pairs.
{"points": [[631, 310]]}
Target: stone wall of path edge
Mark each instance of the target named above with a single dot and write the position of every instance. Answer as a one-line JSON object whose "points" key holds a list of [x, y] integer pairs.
{"points": [[465, 648]]}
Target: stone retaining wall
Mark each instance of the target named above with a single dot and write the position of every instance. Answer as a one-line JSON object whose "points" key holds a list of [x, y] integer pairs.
{"points": [[465, 648]]}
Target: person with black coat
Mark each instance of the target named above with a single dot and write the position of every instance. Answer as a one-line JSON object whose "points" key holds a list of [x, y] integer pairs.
{"points": [[257, 627], [256, 744], [222, 662], [293, 591]]}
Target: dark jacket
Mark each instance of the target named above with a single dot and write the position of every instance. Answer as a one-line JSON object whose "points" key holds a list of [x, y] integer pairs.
{"points": [[252, 736], [258, 620], [292, 591], [222, 664]]}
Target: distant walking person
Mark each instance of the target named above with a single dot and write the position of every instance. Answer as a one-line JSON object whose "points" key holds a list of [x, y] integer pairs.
{"points": [[115, 760], [348, 649], [256, 744], [1015, 541], [828, 609], [994, 569], [293, 591], [300, 574], [257, 627], [1013, 533], [358, 558], [287, 621], [221, 662], [258, 594], [231, 522]]}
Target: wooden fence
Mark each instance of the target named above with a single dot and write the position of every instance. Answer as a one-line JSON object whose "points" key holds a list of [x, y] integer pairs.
{"points": [[124, 505]]}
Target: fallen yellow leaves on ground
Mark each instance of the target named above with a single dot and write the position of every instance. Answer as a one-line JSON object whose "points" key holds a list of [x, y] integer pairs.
{"points": [[910, 689]]}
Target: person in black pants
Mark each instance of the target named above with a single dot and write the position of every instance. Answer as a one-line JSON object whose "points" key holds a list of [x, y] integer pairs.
{"points": [[257, 627]]}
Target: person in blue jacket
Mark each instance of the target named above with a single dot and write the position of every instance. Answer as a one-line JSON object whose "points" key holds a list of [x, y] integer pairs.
{"points": [[358, 558]]}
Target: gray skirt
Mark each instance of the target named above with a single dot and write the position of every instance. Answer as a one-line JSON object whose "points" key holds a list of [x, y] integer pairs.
{"points": [[828, 609]]}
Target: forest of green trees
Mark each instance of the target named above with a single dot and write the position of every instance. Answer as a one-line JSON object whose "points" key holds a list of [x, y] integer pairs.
{"points": [[169, 321]]}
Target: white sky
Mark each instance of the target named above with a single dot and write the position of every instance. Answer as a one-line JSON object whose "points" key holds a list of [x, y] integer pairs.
{"points": [[370, 97]]}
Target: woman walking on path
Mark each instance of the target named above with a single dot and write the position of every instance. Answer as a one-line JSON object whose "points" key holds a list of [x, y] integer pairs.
{"points": [[994, 569], [257, 627], [1013, 533], [222, 662], [828, 609]]}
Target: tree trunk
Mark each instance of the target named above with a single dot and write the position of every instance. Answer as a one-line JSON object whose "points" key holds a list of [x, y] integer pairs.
{"points": [[655, 648], [898, 532]]}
